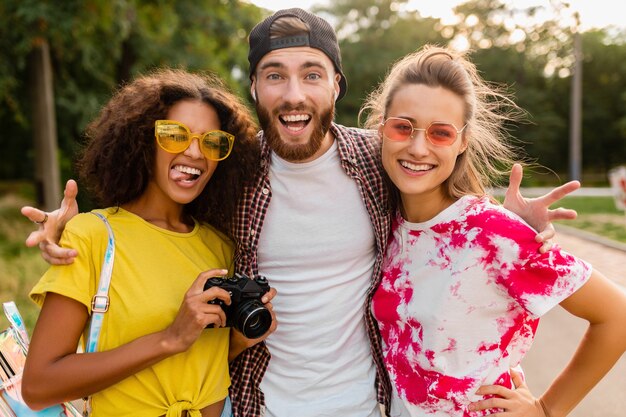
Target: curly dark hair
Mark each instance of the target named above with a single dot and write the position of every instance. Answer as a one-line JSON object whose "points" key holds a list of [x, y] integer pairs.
{"points": [[117, 162]]}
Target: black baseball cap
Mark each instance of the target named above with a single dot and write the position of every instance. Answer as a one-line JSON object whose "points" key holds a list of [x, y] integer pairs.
{"points": [[321, 36]]}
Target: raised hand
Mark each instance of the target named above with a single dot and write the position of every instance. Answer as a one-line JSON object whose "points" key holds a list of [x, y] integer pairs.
{"points": [[536, 211], [51, 226]]}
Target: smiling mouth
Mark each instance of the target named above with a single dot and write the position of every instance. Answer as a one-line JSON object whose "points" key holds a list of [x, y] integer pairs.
{"points": [[295, 122], [416, 167]]}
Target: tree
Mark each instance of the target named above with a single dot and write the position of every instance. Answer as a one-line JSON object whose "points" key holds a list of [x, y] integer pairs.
{"points": [[604, 109], [534, 57], [48, 184], [374, 34], [96, 45]]}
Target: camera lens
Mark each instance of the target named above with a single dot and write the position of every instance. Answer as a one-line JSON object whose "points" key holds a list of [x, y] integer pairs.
{"points": [[252, 319]]}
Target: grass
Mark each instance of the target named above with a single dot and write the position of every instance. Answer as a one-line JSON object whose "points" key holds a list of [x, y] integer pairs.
{"points": [[21, 267], [597, 215]]}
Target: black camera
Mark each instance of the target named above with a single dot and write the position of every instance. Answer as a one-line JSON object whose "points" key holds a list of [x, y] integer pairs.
{"points": [[246, 312]]}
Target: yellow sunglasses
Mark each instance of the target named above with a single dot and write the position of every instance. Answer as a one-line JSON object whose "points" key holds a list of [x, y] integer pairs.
{"points": [[175, 137]]}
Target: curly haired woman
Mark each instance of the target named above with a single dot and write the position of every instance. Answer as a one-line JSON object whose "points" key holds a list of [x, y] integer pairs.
{"points": [[168, 156]]}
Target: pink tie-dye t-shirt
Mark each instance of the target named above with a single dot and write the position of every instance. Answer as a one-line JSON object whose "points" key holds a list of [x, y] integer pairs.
{"points": [[459, 302]]}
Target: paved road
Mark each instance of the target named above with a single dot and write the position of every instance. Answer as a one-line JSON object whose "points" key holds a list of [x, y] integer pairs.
{"points": [[581, 192], [559, 334]]}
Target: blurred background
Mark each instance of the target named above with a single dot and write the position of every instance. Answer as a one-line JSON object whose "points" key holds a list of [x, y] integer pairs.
{"points": [[564, 62], [60, 61]]}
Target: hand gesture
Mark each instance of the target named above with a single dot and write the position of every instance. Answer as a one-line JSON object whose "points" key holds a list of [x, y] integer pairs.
{"points": [[536, 211], [196, 314], [51, 226], [518, 402]]}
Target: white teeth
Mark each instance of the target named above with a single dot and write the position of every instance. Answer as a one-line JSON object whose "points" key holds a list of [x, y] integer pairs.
{"points": [[416, 167], [187, 170], [296, 118]]}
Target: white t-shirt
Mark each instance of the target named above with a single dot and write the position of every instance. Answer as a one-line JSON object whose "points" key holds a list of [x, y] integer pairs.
{"points": [[317, 249], [459, 303]]}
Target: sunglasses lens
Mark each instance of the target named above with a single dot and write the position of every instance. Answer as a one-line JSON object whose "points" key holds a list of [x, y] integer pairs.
{"points": [[173, 138], [216, 145], [442, 134], [397, 129]]}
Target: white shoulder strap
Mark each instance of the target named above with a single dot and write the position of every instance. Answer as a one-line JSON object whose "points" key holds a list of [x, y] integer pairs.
{"points": [[100, 301]]}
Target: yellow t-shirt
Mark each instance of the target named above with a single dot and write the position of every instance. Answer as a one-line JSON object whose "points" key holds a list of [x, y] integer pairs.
{"points": [[153, 269]]}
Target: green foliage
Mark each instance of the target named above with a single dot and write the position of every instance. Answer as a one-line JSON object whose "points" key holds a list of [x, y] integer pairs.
{"points": [[604, 108], [20, 267], [374, 34], [97, 45], [511, 47]]}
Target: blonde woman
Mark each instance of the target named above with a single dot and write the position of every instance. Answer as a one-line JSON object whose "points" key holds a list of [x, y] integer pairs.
{"points": [[464, 283]]}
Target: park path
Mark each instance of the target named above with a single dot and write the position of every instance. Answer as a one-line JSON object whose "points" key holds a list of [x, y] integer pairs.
{"points": [[559, 332]]}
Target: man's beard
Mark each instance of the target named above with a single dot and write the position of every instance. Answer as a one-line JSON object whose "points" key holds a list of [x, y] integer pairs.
{"points": [[321, 122]]}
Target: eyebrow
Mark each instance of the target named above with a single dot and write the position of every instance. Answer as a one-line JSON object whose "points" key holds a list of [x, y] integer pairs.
{"points": [[271, 64], [409, 118], [279, 65]]}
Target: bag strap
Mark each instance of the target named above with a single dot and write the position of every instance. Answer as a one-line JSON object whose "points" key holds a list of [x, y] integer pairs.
{"points": [[100, 301]]}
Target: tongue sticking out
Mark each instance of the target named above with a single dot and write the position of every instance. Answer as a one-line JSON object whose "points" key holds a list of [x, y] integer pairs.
{"points": [[181, 176]]}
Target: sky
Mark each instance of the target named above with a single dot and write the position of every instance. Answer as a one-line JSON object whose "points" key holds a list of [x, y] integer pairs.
{"points": [[593, 13]]}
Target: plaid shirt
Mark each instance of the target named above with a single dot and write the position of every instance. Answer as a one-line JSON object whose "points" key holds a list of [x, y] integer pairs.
{"points": [[359, 151]]}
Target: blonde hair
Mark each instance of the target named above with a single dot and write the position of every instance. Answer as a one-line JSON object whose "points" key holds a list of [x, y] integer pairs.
{"points": [[489, 155]]}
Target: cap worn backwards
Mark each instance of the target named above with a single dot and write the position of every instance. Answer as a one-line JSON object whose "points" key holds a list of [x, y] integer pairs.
{"points": [[321, 36]]}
